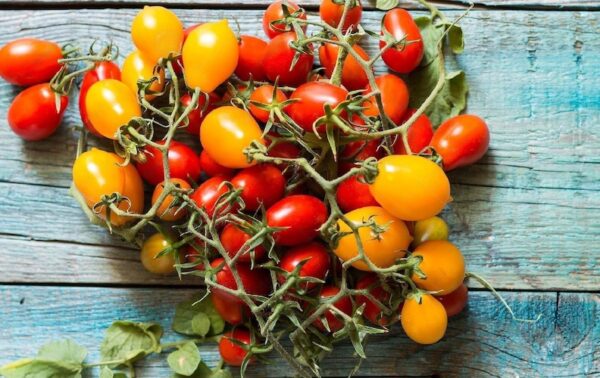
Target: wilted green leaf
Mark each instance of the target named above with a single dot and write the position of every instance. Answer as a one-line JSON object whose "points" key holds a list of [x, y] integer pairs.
{"points": [[185, 360], [201, 324], [386, 4], [203, 371], [187, 310], [30, 367], [62, 350], [130, 340], [106, 372], [455, 39]]}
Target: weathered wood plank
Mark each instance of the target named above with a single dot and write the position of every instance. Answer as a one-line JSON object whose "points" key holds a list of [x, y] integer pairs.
{"points": [[483, 341]]}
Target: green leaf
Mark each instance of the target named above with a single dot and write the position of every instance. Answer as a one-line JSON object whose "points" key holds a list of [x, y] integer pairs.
{"points": [[28, 368], [130, 340], [203, 371], [185, 360], [63, 350], [186, 311], [431, 35], [455, 39], [386, 4], [106, 372], [201, 324]]}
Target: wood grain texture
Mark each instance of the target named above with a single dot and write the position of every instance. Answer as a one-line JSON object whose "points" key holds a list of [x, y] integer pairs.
{"points": [[482, 342]]}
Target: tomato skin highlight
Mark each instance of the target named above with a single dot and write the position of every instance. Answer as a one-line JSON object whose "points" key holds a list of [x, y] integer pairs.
{"points": [[424, 322], [264, 95], [101, 71], [274, 12], [197, 115], [232, 353], [400, 24], [29, 61], [456, 301], [207, 194], [261, 184], [233, 238], [352, 194], [152, 246], [331, 13], [137, 66], [301, 216], [157, 32], [32, 114], [343, 304], [278, 60], [317, 262], [165, 212], [443, 264], [461, 141], [212, 168], [251, 55], [419, 134], [184, 164], [372, 312], [311, 99], [394, 95], [354, 76]]}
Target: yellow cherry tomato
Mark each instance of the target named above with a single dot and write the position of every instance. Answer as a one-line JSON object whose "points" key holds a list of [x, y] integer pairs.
{"points": [[210, 55], [157, 33], [433, 228], [423, 318], [443, 264], [97, 173], [384, 250], [226, 132], [137, 67], [168, 209], [164, 264], [410, 187], [110, 104]]}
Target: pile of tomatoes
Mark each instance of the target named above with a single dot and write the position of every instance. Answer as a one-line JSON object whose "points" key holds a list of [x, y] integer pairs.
{"points": [[307, 194]]}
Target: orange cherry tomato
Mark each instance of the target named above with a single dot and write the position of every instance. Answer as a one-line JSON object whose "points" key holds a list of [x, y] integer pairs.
{"points": [[274, 13], [331, 12], [137, 67], [443, 264], [157, 33], [353, 74], [394, 95], [28, 61], [168, 209], [424, 319], [154, 245], [264, 96]]}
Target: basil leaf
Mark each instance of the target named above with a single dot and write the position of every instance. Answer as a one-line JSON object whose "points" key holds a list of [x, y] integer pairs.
{"points": [[187, 310], [185, 360], [63, 350], [130, 340]]}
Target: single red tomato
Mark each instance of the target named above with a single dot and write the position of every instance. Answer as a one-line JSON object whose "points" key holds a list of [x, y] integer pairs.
{"points": [[230, 309], [101, 71], [196, 116], [212, 168], [250, 61], [354, 76], [183, 163], [394, 95], [233, 238], [461, 141], [274, 13], [353, 194], [286, 150], [310, 100], [232, 352], [357, 151], [301, 216], [456, 301], [256, 281], [264, 95], [372, 311], [331, 12], [316, 262], [29, 61], [344, 304], [33, 116], [419, 134], [279, 58], [403, 59], [261, 184], [207, 194]]}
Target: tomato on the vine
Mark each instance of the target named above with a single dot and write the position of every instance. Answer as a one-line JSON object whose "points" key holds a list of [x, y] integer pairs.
{"points": [[310, 100], [382, 249], [211, 168], [354, 76], [300, 216], [169, 209], [344, 304], [261, 184], [315, 258], [101, 71], [353, 194], [372, 311], [357, 151], [183, 163], [331, 12], [410, 187], [233, 238], [274, 13], [157, 32], [33, 116], [433, 228], [443, 265], [153, 263], [400, 24], [230, 309], [419, 134], [196, 116], [251, 55], [461, 140], [255, 281], [29, 61], [136, 67], [424, 319], [394, 95], [263, 96], [207, 194], [232, 352], [456, 301], [279, 58]]}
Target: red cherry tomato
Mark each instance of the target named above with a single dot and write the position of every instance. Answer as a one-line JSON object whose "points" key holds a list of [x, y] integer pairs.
{"points": [[399, 23], [183, 163], [232, 352], [353, 74], [263, 95], [394, 95], [279, 58], [101, 71], [456, 301], [343, 304], [331, 12], [419, 134], [461, 140], [260, 184], [29, 61], [286, 150], [274, 12], [231, 310], [233, 238], [250, 60], [357, 151], [32, 115], [310, 100], [316, 262], [372, 311], [300, 216], [212, 168], [255, 281], [207, 194], [196, 116], [353, 194]]}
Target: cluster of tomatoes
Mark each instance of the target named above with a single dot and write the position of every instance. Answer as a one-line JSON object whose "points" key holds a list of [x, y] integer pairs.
{"points": [[352, 241]]}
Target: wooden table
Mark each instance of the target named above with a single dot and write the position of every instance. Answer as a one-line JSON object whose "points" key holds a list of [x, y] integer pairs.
{"points": [[527, 216]]}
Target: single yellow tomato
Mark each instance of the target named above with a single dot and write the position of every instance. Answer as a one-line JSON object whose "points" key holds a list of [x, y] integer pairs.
{"points": [[410, 187], [137, 67], [434, 228], [384, 250], [110, 104], [152, 246], [210, 55], [423, 318], [168, 209], [157, 33], [443, 264], [226, 132]]}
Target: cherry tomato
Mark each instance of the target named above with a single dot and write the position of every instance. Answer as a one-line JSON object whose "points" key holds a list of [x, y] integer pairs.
{"points": [[286, 150], [443, 264], [410, 187], [419, 134], [137, 66], [433, 228], [331, 12], [226, 132], [394, 95], [183, 163], [399, 23], [384, 249], [261, 184], [344, 304], [212, 168], [310, 100], [157, 33], [353, 74], [316, 262], [210, 55], [274, 12], [461, 140], [263, 95], [32, 115], [251, 56], [353, 194], [29, 61], [101, 71], [300, 215], [233, 239], [372, 311], [207, 194], [231, 310], [279, 58], [110, 104], [255, 281], [164, 264], [456, 301], [232, 352], [98, 173], [197, 115], [169, 209], [424, 319], [357, 151]]}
